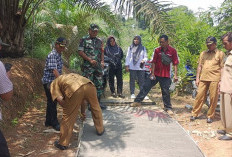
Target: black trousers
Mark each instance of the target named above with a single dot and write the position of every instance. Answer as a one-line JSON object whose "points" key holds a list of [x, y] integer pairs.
{"points": [[164, 82], [51, 112], [118, 73], [4, 151]]}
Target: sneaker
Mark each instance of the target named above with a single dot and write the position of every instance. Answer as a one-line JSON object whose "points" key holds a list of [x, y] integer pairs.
{"points": [[132, 96], [114, 95], [146, 98], [170, 112], [135, 104], [121, 96], [192, 118]]}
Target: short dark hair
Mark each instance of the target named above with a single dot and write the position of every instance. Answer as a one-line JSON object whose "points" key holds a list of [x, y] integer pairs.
{"points": [[210, 40], [164, 36], [229, 35]]}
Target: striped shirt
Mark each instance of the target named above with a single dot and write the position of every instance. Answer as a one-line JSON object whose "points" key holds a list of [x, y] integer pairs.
{"points": [[53, 61], [5, 83]]}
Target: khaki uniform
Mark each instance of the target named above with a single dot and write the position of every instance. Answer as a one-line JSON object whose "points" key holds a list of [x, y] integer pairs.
{"points": [[226, 100], [212, 63], [75, 89]]}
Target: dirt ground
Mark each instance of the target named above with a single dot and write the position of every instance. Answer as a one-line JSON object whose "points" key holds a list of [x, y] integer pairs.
{"points": [[24, 116]]}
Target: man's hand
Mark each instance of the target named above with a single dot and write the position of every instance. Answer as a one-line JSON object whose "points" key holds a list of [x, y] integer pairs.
{"points": [[197, 82], [83, 116], [219, 84], [175, 78], [102, 64], [93, 62], [127, 68], [152, 77], [60, 100]]}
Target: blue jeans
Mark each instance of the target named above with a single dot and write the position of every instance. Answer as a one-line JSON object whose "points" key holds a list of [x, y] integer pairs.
{"points": [[164, 82]]}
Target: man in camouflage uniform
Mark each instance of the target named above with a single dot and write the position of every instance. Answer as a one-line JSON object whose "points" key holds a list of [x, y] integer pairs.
{"points": [[91, 50]]}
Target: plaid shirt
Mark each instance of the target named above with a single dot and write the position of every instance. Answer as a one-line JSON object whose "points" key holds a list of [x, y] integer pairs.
{"points": [[53, 61]]}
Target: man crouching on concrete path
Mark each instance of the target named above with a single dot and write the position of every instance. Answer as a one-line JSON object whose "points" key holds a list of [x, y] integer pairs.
{"points": [[70, 91]]}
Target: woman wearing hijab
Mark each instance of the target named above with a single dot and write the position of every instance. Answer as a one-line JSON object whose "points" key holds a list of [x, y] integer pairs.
{"points": [[115, 55], [135, 60]]}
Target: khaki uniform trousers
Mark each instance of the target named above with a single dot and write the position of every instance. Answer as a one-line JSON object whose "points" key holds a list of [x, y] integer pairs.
{"points": [[72, 108], [226, 112], [203, 87]]}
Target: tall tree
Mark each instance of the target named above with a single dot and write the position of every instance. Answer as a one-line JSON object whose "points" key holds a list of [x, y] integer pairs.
{"points": [[14, 14], [153, 12]]}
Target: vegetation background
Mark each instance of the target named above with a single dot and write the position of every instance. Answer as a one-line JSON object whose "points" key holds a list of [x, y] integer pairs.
{"points": [[31, 26]]}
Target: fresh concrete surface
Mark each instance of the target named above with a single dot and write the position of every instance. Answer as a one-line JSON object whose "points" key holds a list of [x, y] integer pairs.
{"points": [[136, 132]]}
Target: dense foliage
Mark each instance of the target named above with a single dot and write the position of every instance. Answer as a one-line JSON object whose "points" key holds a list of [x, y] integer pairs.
{"points": [[41, 22]]}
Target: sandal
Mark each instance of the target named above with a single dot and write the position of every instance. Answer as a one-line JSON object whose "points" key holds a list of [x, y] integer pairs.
{"points": [[57, 145]]}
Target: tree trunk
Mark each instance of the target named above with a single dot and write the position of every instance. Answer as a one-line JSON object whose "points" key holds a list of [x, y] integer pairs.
{"points": [[12, 24]]}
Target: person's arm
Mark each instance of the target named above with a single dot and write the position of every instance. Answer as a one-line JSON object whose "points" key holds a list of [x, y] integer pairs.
{"points": [[85, 57], [102, 55], [199, 68], [144, 55], [56, 73], [175, 73], [52, 64], [60, 100], [153, 65], [7, 96], [128, 56], [82, 54], [56, 92], [6, 90], [222, 67], [121, 53]]}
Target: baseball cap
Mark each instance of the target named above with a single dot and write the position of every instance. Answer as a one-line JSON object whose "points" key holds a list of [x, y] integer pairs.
{"points": [[61, 41], [94, 27], [211, 40], [2, 43]]}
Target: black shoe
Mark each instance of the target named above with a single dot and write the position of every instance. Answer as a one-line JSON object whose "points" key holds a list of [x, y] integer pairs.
{"points": [[225, 137], [193, 118], [47, 124], [57, 145], [99, 134], [114, 95], [121, 96], [209, 120], [56, 127], [103, 107], [222, 132]]}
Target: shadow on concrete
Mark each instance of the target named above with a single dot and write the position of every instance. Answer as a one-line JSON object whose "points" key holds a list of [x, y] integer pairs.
{"points": [[119, 122]]}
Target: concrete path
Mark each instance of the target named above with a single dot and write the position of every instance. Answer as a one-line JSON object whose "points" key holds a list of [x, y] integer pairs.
{"points": [[136, 132]]}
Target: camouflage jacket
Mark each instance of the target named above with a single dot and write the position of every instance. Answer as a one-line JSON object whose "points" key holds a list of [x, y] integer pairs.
{"points": [[92, 48]]}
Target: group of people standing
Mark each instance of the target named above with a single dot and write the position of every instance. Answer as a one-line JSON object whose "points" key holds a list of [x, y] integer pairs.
{"points": [[214, 73], [71, 91]]}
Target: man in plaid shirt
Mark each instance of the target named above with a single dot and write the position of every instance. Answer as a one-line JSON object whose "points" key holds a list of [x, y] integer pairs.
{"points": [[53, 68]]}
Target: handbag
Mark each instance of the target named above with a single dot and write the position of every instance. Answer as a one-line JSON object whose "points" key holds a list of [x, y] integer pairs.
{"points": [[165, 58]]}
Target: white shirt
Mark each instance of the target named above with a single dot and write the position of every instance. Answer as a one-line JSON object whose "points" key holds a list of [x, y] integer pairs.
{"points": [[129, 59]]}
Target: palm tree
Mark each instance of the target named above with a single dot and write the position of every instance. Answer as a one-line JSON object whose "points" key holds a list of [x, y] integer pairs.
{"points": [[154, 13], [71, 20], [14, 14]]}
